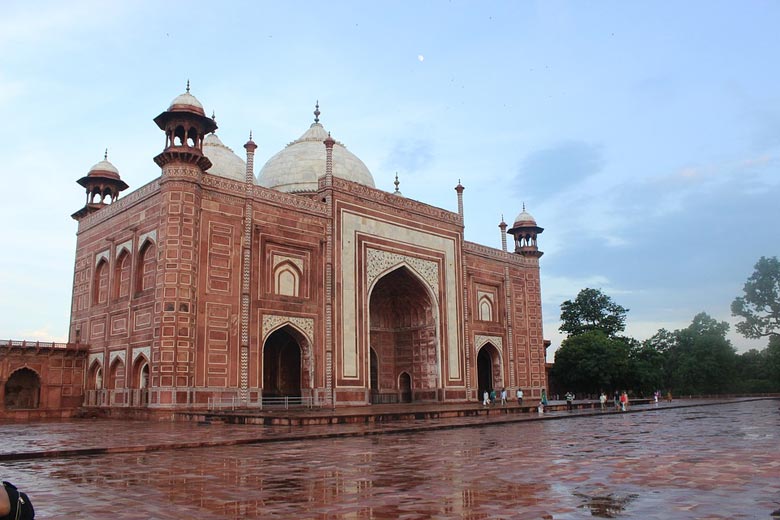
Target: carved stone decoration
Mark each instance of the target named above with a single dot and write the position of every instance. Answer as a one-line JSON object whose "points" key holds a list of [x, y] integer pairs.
{"points": [[297, 262], [480, 340], [271, 322], [151, 235], [116, 354], [126, 246], [380, 261], [95, 356], [103, 255], [142, 351]]}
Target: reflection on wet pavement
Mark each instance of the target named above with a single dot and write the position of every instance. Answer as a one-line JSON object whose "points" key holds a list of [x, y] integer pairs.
{"points": [[713, 462]]}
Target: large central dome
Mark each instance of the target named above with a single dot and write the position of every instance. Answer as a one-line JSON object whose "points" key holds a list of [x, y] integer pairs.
{"points": [[298, 166]]}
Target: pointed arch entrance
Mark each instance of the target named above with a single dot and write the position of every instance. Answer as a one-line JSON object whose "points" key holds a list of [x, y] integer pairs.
{"points": [[488, 369], [23, 390], [403, 337], [282, 363]]}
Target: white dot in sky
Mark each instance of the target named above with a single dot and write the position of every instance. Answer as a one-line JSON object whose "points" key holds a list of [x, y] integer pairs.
{"points": [[420, 57]]}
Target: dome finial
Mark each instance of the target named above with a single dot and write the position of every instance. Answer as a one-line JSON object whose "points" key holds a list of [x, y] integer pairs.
{"points": [[396, 183], [188, 86], [214, 118], [105, 155], [250, 135], [523, 205], [317, 111]]}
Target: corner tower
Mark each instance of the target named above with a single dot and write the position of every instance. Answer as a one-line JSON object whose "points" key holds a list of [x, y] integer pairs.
{"points": [[182, 161]]}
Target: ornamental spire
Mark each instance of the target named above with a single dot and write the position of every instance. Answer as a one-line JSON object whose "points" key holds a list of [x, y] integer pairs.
{"points": [[317, 111], [188, 86]]}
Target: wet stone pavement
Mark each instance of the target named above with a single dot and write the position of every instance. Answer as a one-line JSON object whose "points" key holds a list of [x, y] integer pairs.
{"points": [[713, 462]]}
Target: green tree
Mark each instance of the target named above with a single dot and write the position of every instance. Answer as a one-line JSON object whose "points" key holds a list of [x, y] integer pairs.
{"points": [[591, 362], [646, 367], [702, 360], [592, 310], [760, 306]]}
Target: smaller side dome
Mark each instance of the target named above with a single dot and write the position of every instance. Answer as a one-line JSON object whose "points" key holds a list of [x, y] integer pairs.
{"points": [[224, 162]]}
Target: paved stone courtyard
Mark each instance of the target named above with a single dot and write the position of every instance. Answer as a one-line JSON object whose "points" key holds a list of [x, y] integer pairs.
{"points": [[714, 462]]}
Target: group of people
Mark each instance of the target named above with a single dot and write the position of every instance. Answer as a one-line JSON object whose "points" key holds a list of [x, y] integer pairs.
{"points": [[619, 398], [489, 397]]}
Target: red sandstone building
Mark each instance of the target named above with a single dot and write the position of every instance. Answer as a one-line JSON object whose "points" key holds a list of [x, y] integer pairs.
{"points": [[209, 284]]}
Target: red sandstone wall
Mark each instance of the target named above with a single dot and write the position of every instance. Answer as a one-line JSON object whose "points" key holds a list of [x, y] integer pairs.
{"points": [[61, 373]]}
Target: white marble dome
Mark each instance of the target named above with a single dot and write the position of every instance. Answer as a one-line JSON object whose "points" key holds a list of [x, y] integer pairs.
{"points": [[224, 162], [104, 168], [188, 103], [524, 219], [298, 166]]}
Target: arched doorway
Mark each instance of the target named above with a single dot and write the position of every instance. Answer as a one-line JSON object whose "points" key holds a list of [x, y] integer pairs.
{"points": [[140, 382], [22, 390], [403, 336], [282, 364], [405, 387], [95, 378], [488, 369]]}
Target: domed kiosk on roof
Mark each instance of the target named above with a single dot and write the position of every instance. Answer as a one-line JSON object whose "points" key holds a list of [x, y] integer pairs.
{"points": [[102, 184], [525, 231], [297, 167]]}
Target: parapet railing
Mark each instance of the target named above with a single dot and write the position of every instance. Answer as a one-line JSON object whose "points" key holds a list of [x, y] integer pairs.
{"points": [[283, 403], [40, 344]]}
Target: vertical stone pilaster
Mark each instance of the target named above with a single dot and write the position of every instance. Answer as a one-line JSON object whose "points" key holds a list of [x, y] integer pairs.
{"points": [[509, 332]]}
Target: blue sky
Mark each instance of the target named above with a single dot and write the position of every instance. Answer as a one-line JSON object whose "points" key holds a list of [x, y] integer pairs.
{"points": [[644, 137]]}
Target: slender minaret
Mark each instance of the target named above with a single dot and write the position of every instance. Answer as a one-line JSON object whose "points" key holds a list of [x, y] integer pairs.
{"points": [[502, 226], [246, 273], [329, 376], [459, 188]]}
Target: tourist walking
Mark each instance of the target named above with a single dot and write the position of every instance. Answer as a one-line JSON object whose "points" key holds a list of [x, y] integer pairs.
{"points": [[519, 397], [503, 397], [569, 401], [603, 401], [544, 397], [624, 401], [616, 398], [492, 396], [485, 398]]}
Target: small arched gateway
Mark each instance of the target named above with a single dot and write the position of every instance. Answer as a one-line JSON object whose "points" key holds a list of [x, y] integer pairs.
{"points": [[23, 390], [488, 369], [284, 363]]}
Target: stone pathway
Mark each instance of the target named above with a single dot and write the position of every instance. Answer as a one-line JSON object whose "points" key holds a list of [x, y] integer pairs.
{"points": [[713, 462]]}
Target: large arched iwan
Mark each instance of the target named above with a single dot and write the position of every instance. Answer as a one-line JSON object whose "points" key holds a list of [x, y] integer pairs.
{"points": [[403, 334]]}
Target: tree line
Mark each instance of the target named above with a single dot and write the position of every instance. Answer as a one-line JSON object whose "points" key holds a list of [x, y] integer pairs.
{"points": [[596, 356]]}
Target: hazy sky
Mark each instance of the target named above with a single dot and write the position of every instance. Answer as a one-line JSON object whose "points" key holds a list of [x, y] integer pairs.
{"points": [[643, 136]]}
